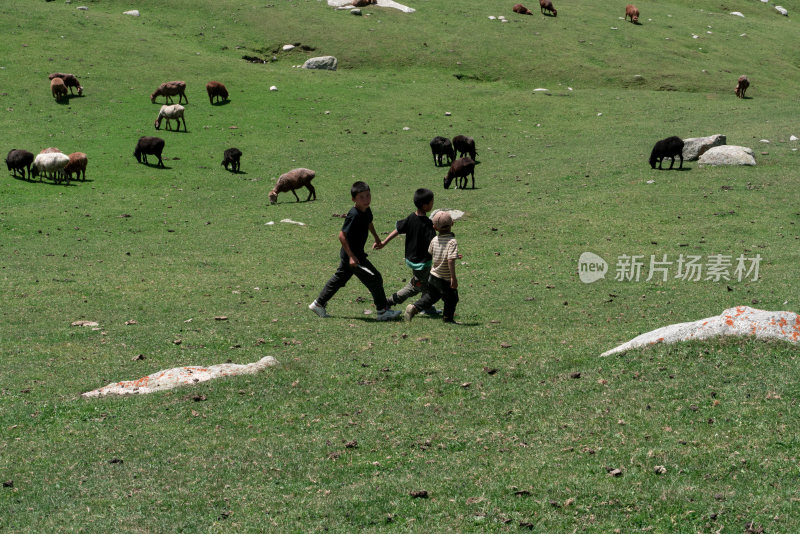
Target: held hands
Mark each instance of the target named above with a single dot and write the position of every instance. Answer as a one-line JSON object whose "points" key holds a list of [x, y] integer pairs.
{"points": [[377, 245]]}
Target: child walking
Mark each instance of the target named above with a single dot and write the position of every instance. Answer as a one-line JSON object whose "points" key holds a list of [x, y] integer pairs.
{"points": [[419, 232], [442, 282], [353, 260]]}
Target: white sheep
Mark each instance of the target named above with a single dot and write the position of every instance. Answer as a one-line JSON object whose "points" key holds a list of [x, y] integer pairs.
{"points": [[174, 111], [294, 179], [53, 162]]}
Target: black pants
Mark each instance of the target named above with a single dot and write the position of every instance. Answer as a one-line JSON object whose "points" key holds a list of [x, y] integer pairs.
{"points": [[439, 289], [374, 282]]}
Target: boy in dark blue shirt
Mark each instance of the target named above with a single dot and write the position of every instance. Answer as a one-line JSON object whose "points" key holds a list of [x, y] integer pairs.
{"points": [[353, 260]]}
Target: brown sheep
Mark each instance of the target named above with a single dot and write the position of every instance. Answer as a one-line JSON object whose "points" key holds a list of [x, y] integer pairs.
{"points": [[170, 89], [632, 12], [58, 89], [218, 90], [522, 10], [460, 169], [77, 164], [294, 179], [741, 86], [547, 5], [69, 80]]}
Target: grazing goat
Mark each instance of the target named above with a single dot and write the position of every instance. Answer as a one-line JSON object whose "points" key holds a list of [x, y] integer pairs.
{"points": [[667, 148], [522, 10], [50, 150], [741, 86], [231, 157], [149, 145], [170, 89], [632, 12], [58, 88], [175, 111], [547, 5], [294, 179], [460, 169], [19, 160], [441, 146], [77, 164], [218, 90], [53, 163], [465, 146], [69, 80]]}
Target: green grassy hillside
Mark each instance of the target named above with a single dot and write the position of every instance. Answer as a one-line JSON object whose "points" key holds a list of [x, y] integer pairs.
{"points": [[509, 421]]}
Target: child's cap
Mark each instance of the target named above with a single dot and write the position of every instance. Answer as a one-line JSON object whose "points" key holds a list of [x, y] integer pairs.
{"points": [[442, 219]]}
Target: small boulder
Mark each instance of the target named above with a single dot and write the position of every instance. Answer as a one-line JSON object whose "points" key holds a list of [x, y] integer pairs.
{"points": [[737, 14], [287, 47], [782, 11], [694, 147], [83, 8], [322, 63], [728, 155], [132, 12]]}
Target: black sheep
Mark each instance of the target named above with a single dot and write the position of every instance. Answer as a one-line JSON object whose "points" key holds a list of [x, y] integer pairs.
{"points": [[149, 145], [231, 157], [441, 146], [461, 168], [465, 146], [667, 148], [19, 160]]}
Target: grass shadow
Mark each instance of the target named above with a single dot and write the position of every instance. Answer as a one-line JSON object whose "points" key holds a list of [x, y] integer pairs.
{"points": [[223, 103]]}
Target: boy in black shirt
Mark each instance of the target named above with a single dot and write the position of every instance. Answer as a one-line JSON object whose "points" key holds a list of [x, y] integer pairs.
{"points": [[419, 232], [353, 260]]}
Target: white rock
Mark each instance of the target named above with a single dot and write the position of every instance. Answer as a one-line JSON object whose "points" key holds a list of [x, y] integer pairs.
{"points": [[292, 222], [764, 141], [728, 155], [270, 223], [447, 113], [540, 89], [782, 11], [322, 62], [599, 114], [492, 17], [132, 12], [454, 214], [180, 376], [83, 8], [406, 128], [273, 88], [764, 1], [651, 181], [792, 138], [694, 147], [287, 47], [356, 12], [736, 13], [739, 321]]}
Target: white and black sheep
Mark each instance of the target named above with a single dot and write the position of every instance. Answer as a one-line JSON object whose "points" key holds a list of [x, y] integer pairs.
{"points": [[465, 146], [170, 89], [231, 157], [460, 169], [19, 160], [216, 90], [77, 164], [149, 145], [69, 80], [441, 146], [173, 112], [667, 148], [294, 179], [53, 163]]}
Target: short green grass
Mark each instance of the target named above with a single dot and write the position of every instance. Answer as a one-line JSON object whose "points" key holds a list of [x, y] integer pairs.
{"points": [[490, 418]]}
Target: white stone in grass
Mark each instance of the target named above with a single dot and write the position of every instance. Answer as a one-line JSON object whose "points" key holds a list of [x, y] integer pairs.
{"points": [[287, 47], [406, 128], [454, 214], [492, 17], [764, 141], [738, 321], [132, 12], [540, 89], [727, 155], [792, 138], [180, 376], [737, 14], [322, 63], [273, 88], [293, 222], [782, 10], [83, 8], [651, 181], [694, 147], [270, 223]]}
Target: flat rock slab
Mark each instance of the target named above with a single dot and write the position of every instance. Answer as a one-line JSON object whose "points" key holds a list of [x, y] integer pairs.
{"points": [[727, 155], [738, 321], [321, 63], [180, 376], [694, 147]]}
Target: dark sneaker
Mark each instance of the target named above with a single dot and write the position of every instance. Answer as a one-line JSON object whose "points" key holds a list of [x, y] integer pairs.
{"points": [[388, 315]]}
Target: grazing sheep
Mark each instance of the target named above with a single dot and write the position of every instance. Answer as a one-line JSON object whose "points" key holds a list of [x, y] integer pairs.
{"points": [[175, 111], [741, 86], [170, 89], [460, 169], [522, 10], [218, 90], [19, 160], [149, 145], [667, 148], [69, 80], [77, 164], [58, 89], [294, 179], [50, 150], [441, 146], [465, 146], [52, 163], [632, 12], [231, 157], [547, 5]]}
